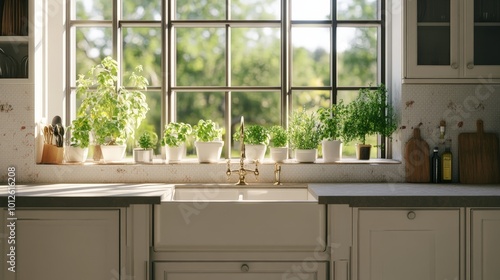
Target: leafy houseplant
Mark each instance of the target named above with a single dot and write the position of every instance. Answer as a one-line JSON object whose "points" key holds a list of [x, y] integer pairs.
{"points": [[331, 122], [278, 143], [174, 138], [77, 151], [256, 139], [304, 135], [208, 141], [114, 112], [369, 114], [147, 141]]}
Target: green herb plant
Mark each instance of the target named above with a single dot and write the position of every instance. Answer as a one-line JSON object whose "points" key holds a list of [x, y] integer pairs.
{"points": [[80, 132], [304, 130], [148, 140], [331, 121], [207, 131], [279, 136], [176, 133], [114, 112], [254, 135]]}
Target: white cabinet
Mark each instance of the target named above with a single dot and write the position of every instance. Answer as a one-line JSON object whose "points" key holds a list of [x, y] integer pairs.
{"points": [[484, 245], [66, 244], [408, 244], [452, 39], [240, 270]]}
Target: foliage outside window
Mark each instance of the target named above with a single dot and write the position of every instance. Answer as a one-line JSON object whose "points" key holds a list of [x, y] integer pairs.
{"points": [[257, 58]]}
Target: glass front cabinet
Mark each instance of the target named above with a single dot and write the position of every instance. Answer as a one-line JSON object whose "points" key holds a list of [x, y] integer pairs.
{"points": [[452, 39]]}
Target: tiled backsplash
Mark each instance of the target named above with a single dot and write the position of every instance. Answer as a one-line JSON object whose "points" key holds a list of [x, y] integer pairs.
{"points": [[421, 105]]}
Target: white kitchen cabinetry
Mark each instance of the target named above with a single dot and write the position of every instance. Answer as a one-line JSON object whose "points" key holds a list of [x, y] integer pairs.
{"points": [[240, 270], [484, 245], [452, 39]]}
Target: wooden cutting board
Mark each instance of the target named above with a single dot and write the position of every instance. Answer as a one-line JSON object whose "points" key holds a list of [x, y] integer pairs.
{"points": [[417, 159], [478, 157]]}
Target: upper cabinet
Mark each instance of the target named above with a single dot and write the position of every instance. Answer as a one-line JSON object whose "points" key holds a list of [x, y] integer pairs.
{"points": [[452, 39], [14, 39]]}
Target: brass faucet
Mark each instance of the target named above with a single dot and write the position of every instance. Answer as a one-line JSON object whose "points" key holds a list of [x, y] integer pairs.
{"points": [[242, 172], [277, 175]]}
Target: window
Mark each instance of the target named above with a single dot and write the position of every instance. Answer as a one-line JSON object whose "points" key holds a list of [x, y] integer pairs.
{"points": [[222, 59]]}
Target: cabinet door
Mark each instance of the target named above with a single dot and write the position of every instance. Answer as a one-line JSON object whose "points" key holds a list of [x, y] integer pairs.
{"points": [[408, 244], [306, 270], [432, 39], [67, 244], [482, 39], [485, 245]]}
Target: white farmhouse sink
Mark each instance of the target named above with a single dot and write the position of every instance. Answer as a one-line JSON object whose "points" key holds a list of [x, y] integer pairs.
{"points": [[240, 218]]}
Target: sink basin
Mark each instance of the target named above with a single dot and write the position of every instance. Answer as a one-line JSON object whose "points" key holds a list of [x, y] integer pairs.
{"points": [[242, 194], [224, 217]]}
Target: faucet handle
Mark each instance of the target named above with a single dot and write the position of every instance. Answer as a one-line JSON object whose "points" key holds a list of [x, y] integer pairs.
{"points": [[228, 171], [256, 172]]}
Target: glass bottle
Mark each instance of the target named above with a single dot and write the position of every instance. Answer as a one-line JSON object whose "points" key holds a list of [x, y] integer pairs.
{"points": [[435, 166], [447, 163]]}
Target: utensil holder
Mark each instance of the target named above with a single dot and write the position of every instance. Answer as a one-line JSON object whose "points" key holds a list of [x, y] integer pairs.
{"points": [[52, 154]]}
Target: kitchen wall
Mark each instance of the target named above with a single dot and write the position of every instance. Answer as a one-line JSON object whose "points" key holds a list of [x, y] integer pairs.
{"points": [[420, 106]]}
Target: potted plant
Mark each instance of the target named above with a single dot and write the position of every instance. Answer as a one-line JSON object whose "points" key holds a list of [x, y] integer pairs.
{"points": [[304, 135], [369, 114], [208, 141], [278, 143], [330, 129], [256, 139], [78, 149], [114, 112], [147, 141], [174, 139]]}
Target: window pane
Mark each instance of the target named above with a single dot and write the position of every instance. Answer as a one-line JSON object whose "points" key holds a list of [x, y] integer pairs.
{"points": [[311, 57], [357, 9], [200, 54], [311, 10], [94, 9], [257, 107], [311, 100], [142, 46], [357, 55], [256, 57], [194, 106], [255, 9], [144, 10], [195, 9], [92, 45]]}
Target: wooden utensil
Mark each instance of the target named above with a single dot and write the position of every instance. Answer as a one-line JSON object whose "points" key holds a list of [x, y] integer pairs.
{"points": [[479, 157], [417, 159]]}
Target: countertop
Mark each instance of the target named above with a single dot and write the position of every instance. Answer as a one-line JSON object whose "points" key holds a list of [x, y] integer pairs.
{"points": [[85, 195], [407, 195]]}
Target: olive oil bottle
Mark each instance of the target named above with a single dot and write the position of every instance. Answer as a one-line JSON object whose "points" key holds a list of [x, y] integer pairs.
{"points": [[447, 163]]}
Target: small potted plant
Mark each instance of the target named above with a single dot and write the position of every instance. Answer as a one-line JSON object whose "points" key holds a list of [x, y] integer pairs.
{"points": [[369, 114], [278, 143], [208, 141], [304, 135], [114, 112], [78, 149], [256, 139], [174, 140], [330, 128], [147, 142]]}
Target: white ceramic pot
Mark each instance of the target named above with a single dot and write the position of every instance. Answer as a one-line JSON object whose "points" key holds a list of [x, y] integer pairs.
{"points": [[332, 150], [75, 154], [306, 156], [113, 152], [279, 154], [209, 152], [175, 154], [255, 152], [143, 155]]}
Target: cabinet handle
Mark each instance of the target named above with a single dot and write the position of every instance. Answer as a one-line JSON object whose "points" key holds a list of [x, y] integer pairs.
{"points": [[454, 66], [245, 268], [411, 215], [470, 66]]}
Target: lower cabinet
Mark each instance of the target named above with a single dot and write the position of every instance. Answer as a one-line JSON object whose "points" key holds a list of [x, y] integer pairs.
{"points": [[484, 245], [66, 244], [408, 244], [241, 270]]}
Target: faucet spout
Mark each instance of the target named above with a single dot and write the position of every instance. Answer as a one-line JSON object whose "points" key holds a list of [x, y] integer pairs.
{"points": [[242, 138], [242, 171]]}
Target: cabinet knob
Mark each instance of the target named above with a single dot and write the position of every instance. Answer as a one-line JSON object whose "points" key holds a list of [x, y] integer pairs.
{"points": [[245, 268], [470, 66], [454, 66], [411, 215]]}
